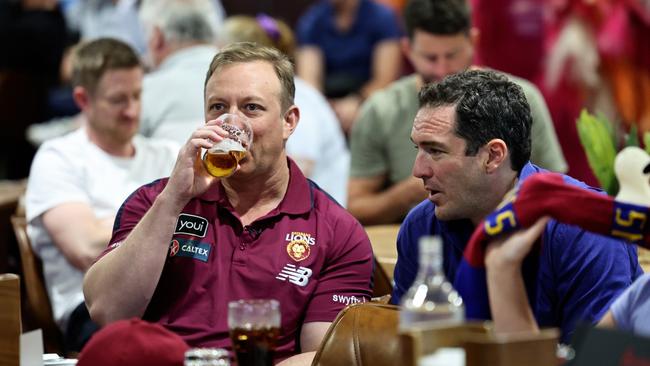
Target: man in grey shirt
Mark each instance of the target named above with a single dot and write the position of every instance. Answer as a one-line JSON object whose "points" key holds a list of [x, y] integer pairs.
{"points": [[440, 42]]}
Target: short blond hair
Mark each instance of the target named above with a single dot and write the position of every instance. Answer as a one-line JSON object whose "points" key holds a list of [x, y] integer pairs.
{"points": [[243, 52]]}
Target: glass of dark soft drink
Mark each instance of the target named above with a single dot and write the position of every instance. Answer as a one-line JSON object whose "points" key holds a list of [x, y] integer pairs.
{"points": [[222, 158], [254, 329]]}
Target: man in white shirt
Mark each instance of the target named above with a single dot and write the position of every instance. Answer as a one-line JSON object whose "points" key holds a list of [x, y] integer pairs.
{"points": [[77, 182]]}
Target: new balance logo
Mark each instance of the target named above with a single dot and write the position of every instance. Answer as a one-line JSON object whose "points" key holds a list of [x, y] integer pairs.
{"points": [[296, 275]]}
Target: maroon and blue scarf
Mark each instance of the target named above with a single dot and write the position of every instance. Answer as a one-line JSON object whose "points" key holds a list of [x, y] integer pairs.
{"points": [[545, 194]]}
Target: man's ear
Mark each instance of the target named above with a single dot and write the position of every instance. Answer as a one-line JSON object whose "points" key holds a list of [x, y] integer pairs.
{"points": [[157, 40], [405, 45], [496, 155], [290, 121], [474, 36], [81, 97]]}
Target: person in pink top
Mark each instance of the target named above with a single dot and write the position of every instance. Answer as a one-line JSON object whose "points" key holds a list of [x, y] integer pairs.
{"points": [[184, 246]]}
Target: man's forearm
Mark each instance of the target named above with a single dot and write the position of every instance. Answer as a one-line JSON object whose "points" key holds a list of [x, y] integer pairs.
{"points": [[511, 311], [388, 206], [84, 245], [98, 239], [121, 284]]}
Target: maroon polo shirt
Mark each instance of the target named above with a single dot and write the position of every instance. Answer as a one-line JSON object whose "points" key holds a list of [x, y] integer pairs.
{"points": [[309, 253]]}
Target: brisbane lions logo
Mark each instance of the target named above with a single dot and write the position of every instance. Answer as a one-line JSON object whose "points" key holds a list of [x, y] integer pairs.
{"points": [[298, 250]]}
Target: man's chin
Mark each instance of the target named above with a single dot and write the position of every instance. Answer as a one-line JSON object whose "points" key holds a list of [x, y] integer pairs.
{"points": [[443, 214]]}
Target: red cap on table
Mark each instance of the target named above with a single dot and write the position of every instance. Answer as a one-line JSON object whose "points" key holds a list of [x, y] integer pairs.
{"points": [[133, 342]]}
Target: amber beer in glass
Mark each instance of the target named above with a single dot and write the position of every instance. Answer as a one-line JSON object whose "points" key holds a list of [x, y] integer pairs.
{"points": [[254, 330], [222, 158]]}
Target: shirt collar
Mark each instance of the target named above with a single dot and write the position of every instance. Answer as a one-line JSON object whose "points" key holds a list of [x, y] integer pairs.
{"points": [[528, 170], [298, 199]]}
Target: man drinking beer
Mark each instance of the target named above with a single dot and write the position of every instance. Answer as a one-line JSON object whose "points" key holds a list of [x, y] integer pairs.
{"points": [[184, 246]]}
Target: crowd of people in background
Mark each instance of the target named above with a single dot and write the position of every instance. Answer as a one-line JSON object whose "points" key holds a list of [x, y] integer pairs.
{"points": [[368, 114]]}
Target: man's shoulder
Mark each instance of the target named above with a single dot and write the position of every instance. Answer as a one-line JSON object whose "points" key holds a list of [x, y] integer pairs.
{"points": [[393, 102], [373, 10], [71, 148], [156, 145], [530, 169], [515, 79], [527, 86], [317, 15], [328, 208], [147, 192], [399, 91], [70, 141]]}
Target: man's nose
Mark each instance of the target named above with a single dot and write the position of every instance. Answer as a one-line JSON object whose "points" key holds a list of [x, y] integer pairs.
{"points": [[132, 110], [421, 166], [441, 69]]}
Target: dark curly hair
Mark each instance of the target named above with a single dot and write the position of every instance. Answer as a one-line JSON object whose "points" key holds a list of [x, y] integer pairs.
{"points": [[488, 106]]}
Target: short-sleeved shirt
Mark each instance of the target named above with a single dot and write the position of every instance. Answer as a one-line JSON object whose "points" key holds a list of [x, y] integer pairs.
{"points": [[348, 55], [380, 139], [72, 168], [631, 310], [308, 253], [575, 278]]}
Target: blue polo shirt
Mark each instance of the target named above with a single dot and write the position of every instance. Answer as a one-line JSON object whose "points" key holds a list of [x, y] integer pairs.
{"points": [[309, 253], [348, 55], [574, 278]]}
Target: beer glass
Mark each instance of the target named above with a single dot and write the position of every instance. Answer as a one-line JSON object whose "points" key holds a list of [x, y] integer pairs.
{"points": [[222, 158], [254, 328]]}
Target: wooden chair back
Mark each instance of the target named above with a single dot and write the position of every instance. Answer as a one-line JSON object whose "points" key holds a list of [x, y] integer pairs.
{"points": [[37, 302], [362, 334]]}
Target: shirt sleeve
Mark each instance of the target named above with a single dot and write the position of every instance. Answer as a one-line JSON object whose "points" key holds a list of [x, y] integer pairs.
{"points": [[131, 212], [346, 276], [55, 178], [581, 274], [407, 264], [387, 27], [307, 28], [367, 157], [624, 306]]}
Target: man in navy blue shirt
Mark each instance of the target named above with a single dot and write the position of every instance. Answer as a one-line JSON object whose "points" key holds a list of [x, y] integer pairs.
{"points": [[472, 133]]}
